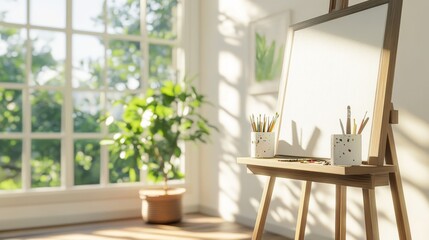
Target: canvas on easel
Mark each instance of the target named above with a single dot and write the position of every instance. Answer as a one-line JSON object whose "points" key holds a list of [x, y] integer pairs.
{"points": [[334, 61]]}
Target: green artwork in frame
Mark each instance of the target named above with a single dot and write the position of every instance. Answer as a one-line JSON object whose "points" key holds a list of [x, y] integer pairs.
{"points": [[268, 39]]}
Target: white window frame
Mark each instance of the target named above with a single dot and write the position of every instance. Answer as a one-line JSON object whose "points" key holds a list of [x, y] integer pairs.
{"points": [[70, 204]]}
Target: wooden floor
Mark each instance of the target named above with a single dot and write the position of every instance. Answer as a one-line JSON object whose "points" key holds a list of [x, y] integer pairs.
{"points": [[193, 227]]}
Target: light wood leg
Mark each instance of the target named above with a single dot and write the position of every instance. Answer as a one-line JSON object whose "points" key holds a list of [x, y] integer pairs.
{"points": [[397, 189], [340, 212], [370, 209], [303, 210], [263, 209]]}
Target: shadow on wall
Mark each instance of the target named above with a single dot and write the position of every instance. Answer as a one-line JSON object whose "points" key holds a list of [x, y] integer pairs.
{"points": [[412, 140], [221, 71]]}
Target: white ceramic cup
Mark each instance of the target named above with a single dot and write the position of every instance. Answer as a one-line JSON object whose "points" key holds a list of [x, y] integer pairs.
{"points": [[346, 149], [262, 144]]}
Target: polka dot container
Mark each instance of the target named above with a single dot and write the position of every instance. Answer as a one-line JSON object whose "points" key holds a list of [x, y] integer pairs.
{"points": [[262, 144]]}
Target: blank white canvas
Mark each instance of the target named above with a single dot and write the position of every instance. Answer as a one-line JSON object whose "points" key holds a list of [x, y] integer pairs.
{"points": [[332, 65]]}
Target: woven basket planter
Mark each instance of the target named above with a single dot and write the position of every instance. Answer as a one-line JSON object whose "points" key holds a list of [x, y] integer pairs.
{"points": [[162, 207]]}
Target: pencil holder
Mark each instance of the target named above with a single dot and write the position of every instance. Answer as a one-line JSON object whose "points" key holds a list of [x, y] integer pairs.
{"points": [[346, 149], [262, 144]]}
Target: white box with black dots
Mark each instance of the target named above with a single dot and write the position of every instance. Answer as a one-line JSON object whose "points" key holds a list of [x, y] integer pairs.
{"points": [[346, 149], [262, 144]]}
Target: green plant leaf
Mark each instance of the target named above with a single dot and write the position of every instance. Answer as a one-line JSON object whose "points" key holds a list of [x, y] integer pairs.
{"points": [[132, 174], [177, 151], [187, 124], [163, 111], [168, 88]]}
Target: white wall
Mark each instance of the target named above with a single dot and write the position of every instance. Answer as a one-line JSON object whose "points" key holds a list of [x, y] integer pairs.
{"points": [[225, 187]]}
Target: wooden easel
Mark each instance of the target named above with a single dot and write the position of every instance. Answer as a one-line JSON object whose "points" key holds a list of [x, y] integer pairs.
{"points": [[366, 177], [380, 171]]}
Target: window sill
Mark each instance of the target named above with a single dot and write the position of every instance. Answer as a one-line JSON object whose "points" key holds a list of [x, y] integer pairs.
{"points": [[49, 207], [76, 194]]}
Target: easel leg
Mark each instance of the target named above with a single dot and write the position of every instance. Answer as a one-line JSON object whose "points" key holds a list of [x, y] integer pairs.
{"points": [[303, 210], [397, 189], [370, 208], [340, 212], [263, 209]]}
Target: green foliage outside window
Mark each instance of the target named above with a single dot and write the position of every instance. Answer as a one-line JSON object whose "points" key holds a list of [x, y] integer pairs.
{"points": [[45, 163], [11, 107], [123, 65], [46, 111], [87, 162], [160, 18], [10, 164], [12, 59]]}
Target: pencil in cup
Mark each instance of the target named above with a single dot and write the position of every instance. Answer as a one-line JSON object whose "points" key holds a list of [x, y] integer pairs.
{"points": [[355, 130], [263, 124]]}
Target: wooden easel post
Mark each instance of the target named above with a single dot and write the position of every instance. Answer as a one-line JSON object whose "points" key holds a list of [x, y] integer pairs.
{"points": [[396, 188], [335, 5], [263, 208], [303, 210], [340, 212]]}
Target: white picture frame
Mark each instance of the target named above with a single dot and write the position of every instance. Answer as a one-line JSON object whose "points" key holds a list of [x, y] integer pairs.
{"points": [[267, 43]]}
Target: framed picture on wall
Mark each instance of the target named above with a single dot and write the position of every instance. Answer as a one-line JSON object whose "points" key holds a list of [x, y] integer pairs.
{"points": [[267, 44]]}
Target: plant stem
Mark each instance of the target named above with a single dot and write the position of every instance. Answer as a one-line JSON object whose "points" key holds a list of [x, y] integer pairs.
{"points": [[165, 183], [164, 173]]}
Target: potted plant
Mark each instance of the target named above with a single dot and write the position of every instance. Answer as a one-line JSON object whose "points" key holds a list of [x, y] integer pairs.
{"points": [[149, 134]]}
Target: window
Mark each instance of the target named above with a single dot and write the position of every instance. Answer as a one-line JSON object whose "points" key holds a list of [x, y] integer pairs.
{"points": [[62, 65]]}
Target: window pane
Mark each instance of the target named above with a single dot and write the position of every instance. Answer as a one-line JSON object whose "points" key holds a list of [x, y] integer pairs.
{"points": [[86, 111], [123, 16], [10, 164], [46, 111], [48, 58], [123, 165], [10, 110], [13, 11], [114, 109], [86, 162], [160, 63], [88, 15], [45, 163], [124, 59], [12, 55], [88, 62], [161, 18], [49, 13]]}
